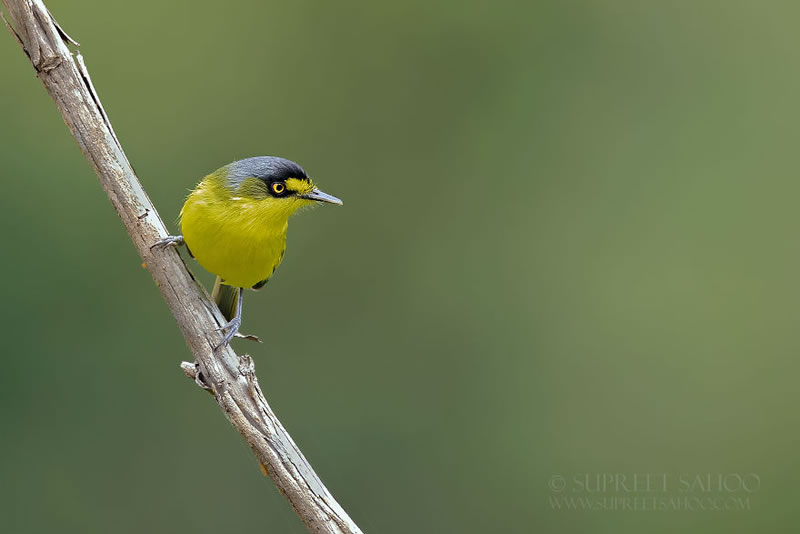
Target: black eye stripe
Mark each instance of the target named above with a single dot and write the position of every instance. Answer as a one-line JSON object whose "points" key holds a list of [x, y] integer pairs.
{"points": [[278, 189]]}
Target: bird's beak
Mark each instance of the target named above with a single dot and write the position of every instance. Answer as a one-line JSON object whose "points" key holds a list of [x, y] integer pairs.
{"points": [[319, 196]]}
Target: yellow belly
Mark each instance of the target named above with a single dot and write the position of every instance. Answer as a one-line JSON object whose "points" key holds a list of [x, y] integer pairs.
{"points": [[234, 238]]}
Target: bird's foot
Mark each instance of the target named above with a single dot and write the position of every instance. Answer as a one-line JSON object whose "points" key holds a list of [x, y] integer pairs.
{"points": [[169, 241], [230, 329]]}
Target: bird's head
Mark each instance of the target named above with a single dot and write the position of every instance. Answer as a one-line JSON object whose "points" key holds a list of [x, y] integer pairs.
{"points": [[279, 186]]}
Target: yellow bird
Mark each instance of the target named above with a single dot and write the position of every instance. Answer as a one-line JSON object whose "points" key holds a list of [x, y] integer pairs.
{"points": [[234, 224]]}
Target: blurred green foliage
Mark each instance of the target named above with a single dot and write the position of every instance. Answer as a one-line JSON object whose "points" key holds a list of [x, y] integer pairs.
{"points": [[568, 245]]}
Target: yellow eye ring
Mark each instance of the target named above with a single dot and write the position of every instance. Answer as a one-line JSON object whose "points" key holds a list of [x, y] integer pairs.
{"points": [[278, 188]]}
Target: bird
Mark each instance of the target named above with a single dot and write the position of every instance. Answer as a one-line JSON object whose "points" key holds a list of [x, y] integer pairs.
{"points": [[234, 223]]}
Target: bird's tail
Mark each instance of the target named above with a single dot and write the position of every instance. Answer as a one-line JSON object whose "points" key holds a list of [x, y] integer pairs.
{"points": [[226, 297]]}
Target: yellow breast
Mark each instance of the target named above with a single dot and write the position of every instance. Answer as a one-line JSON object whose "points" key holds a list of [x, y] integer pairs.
{"points": [[240, 239]]}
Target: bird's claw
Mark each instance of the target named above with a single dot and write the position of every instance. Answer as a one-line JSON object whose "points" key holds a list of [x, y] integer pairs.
{"points": [[169, 241], [230, 329]]}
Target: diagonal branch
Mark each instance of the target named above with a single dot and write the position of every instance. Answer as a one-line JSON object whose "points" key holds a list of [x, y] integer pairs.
{"points": [[231, 378]]}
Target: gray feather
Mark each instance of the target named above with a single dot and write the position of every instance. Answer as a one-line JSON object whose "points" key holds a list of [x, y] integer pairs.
{"points": [[267, 168]]}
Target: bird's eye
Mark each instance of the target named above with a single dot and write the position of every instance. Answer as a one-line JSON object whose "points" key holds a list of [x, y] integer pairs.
{"points": [[278, 188]]}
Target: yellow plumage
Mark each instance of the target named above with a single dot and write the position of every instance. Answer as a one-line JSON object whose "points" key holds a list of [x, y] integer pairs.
{"points": [[234, 223], [241, 239]]}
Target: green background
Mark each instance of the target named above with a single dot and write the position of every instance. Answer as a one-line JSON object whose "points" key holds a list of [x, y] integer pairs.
{"points": [[568, 248]]}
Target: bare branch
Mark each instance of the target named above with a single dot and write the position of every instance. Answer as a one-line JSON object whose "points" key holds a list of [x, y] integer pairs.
{"points": [[229, 377]]}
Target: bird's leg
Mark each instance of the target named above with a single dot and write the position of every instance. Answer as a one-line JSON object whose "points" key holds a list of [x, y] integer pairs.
{"points": [[232, 327], [169, 241]]}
